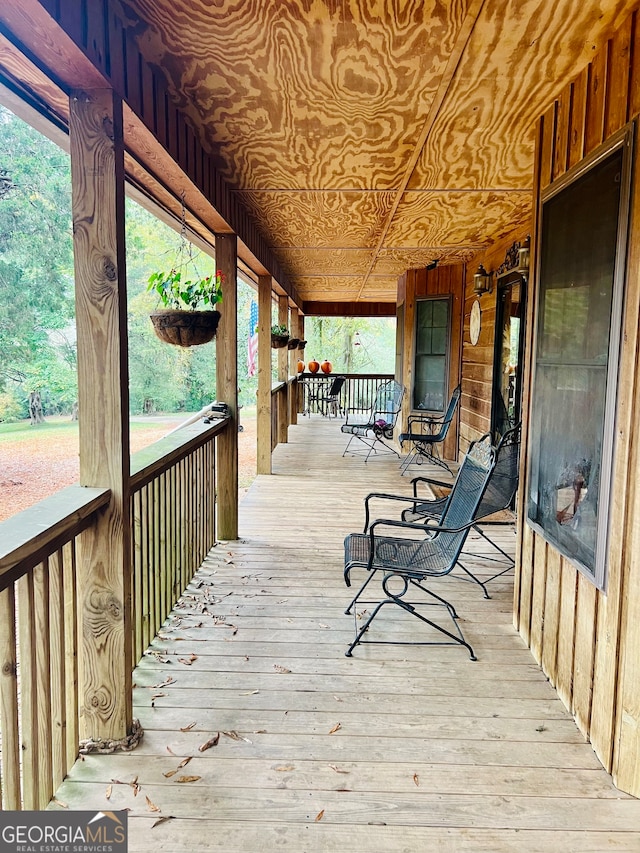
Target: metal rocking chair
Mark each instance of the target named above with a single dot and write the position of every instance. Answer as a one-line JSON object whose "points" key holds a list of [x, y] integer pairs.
{"points": [[430, 551], [375, 428], [426, 433]]}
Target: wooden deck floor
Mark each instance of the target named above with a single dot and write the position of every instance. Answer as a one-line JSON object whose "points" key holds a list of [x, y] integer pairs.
{"points": [[399, 748]]}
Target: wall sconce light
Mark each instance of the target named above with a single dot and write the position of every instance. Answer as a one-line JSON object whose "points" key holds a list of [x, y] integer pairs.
{"points": [[523, 257], [482, 281]]}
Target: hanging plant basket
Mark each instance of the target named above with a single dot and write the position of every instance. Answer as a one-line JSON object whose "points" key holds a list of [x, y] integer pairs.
{"points": [[292, 343], [279, 341], [185, 328], [302, 344]]}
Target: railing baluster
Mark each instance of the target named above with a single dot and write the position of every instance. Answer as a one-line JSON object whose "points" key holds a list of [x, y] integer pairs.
{"points": [[71, 642], [58, 669], [28, 692], [43, 681], [9, 702]]}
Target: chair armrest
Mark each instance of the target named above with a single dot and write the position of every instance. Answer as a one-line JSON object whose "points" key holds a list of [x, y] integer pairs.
{"points": [[410, 525], [383, 496], [429, 481]]}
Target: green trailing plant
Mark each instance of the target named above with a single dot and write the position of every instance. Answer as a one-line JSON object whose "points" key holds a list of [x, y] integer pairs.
{"points": [[179, 294], [280, 331]]}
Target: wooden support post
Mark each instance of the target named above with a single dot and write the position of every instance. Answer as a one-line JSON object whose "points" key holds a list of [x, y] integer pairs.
{"points": [[264, 375], [283, 374], [227, 386], [104, 567], [294, 355]]}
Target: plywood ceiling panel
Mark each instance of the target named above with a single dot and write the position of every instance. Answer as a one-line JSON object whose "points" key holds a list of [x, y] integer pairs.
{"points": [[366, 137]]}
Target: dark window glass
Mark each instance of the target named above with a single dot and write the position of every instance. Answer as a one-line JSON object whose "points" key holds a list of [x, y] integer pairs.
{"points": [[576, 365], [432, 344]]}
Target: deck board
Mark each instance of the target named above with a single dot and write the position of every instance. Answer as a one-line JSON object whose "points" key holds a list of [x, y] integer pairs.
{"points": [[433, 751]]}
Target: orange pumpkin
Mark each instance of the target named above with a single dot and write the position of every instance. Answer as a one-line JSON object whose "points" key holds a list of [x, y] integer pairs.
{"points": [[313, 366], [326, 366], [300, 366]]}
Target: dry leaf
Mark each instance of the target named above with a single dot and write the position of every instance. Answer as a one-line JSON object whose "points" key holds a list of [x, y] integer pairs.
{"points": [[170, 751], [163, 819], [246, 657], [169, 774], [135, 786], [60, 803], [260, 731], [322, 625], [338, 699], [251, 692], [158, 695], [286, 768], [108, 791], [185, 661], [168, 680], [337, 769], [279, 668], [319, 816], [184, 762], [235, 736], [416, 780], [188, 778], [213, 741], [152, 806], [189, 727], [336, 728]]}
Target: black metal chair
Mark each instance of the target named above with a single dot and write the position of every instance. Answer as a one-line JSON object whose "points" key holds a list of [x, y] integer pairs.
{"points": [[331, 402], [375, 428], [498, 496], [426, 433], [426, 551]]}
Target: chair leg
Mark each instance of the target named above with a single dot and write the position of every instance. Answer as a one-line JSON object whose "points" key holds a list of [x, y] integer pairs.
{"points": [[396, 598], [366, 583]]}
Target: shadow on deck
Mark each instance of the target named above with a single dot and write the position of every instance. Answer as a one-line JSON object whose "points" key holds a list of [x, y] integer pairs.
{"points": [[400, 748]]}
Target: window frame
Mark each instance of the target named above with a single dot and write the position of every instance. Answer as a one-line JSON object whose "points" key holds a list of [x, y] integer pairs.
{"points": [[433, 298], [624, 140]]}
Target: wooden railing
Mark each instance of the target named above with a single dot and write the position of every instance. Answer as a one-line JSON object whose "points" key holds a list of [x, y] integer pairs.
{"points": [[358, 392], [39, 644], [173, 485], [173, 526]]}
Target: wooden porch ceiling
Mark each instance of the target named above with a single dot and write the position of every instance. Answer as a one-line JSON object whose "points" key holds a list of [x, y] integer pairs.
{"points": [[367, 138]]}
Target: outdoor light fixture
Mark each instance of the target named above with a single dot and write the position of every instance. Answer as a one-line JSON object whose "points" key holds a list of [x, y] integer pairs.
{"points": [[523, 257], [482, 281]]}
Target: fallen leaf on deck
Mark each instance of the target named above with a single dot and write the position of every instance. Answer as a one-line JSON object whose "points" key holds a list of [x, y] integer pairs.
{"points": [[286, 768], [246, 657], [323, 626], [60, 803], [188, 778], [187, 661], [158, 695], [152, 806], [251, 692], [189, 727], [213, 741], [170, 751], [260, 731], [319, 816], [235, 628], [336, 728], [169, 774], [279, 668], [162, 820], [184, 762], [108, 792], [338, 769], [168, 680], [416, 780], [235, 736], [337, 698], [135, 786]]}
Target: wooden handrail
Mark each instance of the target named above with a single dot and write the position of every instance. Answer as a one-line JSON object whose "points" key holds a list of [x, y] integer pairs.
{"points": [[30, 536], [146, 464]]}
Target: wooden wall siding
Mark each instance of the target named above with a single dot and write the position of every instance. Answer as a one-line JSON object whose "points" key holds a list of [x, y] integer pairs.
{"points": [[416, 284], [585, 640]]}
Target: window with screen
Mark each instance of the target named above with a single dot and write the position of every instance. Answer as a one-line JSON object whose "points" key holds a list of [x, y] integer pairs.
{"points": [[580, 301], [431, 355]]}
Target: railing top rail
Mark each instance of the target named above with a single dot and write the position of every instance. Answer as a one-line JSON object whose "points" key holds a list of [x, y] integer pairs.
{"points": [[30, 536], [146, 464]]}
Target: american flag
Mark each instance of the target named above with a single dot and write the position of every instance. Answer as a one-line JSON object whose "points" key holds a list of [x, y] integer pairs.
{"points": [[252, 349]]}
